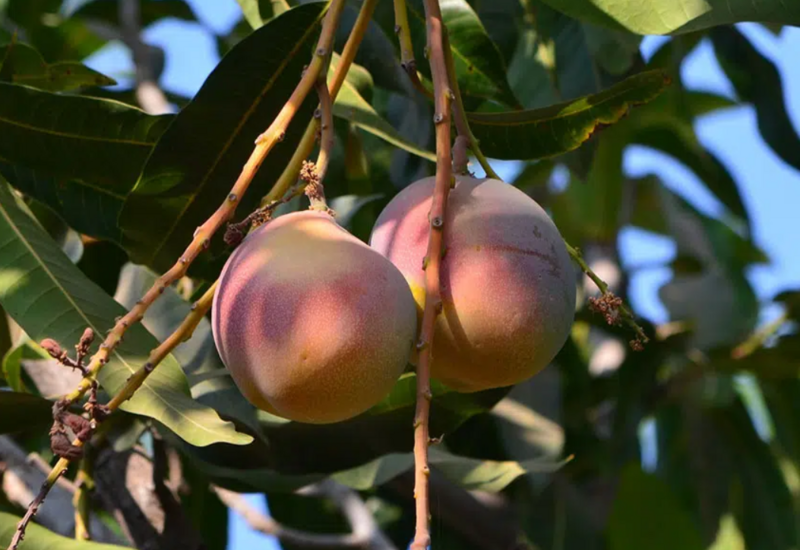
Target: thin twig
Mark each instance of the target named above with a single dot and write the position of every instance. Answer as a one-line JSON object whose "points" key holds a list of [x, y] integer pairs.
{"points": [[613, 308], [81, 499], [290, 173], [181, 334], [759, 337], [433, 302], [364, 530], [325, 129], [407, 61], [460, 114]]}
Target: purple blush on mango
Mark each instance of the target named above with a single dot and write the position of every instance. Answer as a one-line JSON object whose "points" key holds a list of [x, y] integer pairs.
{"points": [[313, 324], [507, 282]]}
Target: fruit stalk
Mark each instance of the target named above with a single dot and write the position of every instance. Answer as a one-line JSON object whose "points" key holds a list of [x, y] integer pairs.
{"points": [[289, 175], [433, 301], [407, 61]]}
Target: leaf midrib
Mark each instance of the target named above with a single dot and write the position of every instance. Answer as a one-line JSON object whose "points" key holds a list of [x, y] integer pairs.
{"points": [[463, 58], [63, 290], [485, 118], [56, 133]]}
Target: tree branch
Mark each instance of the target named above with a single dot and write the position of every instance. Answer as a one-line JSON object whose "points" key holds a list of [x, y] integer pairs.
{"points": [[407, 61], [364, 531]]}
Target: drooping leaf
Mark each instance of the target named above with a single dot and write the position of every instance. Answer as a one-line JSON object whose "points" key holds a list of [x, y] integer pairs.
{"points": [[758, 82], [21, 412], [45, 28], [350, 105], [677, 16], [646, 514], [12, 362], [480, 68], [196, 161], [762, 503], [39, 538], [694, 461], [78, 155], [258, 12], [718, 300], [50, 298], [198, 356], [21, 64], [559, 58], [540, 133]]}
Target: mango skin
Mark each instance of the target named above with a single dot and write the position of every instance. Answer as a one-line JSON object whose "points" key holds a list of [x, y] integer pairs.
{"points": [[313, 324], [507, 282]]}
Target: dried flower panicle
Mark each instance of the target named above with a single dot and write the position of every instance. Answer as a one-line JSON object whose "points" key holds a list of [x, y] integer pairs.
{"points": [[609, 306]]}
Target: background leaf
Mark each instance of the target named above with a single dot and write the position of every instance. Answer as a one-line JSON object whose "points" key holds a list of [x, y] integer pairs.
{"points": [[757, 81], [554, 130], [23, 411], [673, 16], [660, 523], [39, 538], [23, 65]]}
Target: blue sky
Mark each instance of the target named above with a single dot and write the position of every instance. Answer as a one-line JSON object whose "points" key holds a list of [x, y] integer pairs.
{"points": [[770, 188]]}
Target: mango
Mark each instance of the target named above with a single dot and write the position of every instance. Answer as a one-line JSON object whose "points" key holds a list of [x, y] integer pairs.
{"points": [[507, 282], [313, 324]]}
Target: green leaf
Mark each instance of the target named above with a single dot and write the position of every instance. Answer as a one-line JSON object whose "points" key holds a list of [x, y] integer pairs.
{"points": [[470, 473], [677, 16], [591, 209], [198, 356], [694, 461], [777, 363], [757, 81], [350, 105], [554, 130], [199, 157], [680, 142], [50, 298], [560, 58], [21, 412], [719, 300], [78, 155], [45, 28], [762, 503], [149, 12], [21, 64], [646, 514], [480, 68], [39, 538], [258, 12], [12, 362], [791, 301]]}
